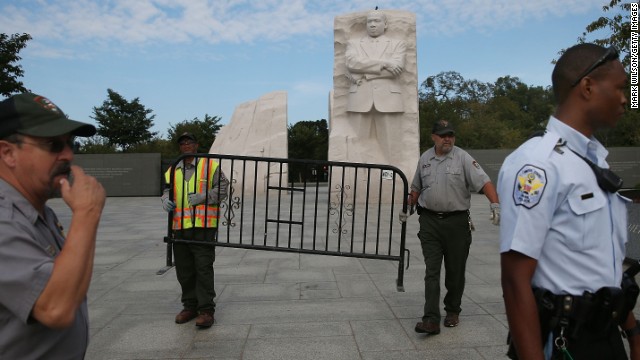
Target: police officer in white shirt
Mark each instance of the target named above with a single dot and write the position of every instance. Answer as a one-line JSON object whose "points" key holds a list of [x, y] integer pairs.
{"points": [[563, 227]]}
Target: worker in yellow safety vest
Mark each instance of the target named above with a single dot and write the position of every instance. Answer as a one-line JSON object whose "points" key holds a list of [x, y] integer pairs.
{"points": [[199, 185]]}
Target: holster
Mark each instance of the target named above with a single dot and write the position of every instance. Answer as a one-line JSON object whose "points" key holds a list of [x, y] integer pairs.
{"points": [[630, 291], [592, 315]]}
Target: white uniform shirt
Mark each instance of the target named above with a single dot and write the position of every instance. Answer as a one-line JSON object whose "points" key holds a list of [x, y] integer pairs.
{"points": [[553, 210]]}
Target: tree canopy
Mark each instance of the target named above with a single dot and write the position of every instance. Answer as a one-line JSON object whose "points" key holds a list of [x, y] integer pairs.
{"points": [[616, 27], [204, 130], [123, 123], [10, 70], [307, 140], [486, 115]]}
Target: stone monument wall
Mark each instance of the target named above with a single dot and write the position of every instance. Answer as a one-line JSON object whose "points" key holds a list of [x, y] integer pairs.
{"points": [[257, 128]]}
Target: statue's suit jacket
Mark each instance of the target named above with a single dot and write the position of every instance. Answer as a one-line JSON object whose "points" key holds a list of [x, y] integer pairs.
{"points": [[371, 86]]}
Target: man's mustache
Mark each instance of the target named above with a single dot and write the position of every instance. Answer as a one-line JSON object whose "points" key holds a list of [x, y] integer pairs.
{"points": [[62, 169]]}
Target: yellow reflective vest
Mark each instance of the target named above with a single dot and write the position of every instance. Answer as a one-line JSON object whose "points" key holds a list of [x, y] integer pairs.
{"points": [[183, 214]]}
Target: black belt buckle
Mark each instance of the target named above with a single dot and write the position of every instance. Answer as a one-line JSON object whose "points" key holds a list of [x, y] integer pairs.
{"points": [[441, 215]]}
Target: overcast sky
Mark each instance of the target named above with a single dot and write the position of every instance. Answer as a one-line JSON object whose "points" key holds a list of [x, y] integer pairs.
{"points": [[188, 58]]}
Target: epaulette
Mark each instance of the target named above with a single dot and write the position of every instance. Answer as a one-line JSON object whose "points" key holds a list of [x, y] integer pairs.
{"points": [[548, 143]]}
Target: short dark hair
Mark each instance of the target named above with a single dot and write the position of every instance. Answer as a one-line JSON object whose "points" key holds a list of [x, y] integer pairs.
{"points": [[573, 62]]}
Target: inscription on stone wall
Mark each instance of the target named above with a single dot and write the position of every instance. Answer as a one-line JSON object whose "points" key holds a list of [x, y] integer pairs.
{"points": [[124, 174], [108, 173]]}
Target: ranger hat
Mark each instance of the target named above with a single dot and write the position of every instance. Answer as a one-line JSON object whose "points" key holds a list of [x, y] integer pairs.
{"points": [[35, 115], [442, 127], [186, 135]]}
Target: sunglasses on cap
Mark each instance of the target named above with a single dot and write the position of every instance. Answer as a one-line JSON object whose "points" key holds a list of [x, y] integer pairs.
{"points": [[610, 54], [53, 145]]}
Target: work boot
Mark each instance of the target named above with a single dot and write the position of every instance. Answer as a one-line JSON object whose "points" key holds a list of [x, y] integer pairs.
{"points": [[185, 315], [429, 328], [451, 320], [205, 319]]}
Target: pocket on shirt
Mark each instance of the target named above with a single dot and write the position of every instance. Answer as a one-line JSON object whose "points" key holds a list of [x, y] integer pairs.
{"points": [[425, 175], [456, 176], [586, 208]]}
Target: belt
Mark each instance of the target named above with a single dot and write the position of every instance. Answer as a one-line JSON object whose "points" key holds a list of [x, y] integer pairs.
{"points": [[445, 214]]}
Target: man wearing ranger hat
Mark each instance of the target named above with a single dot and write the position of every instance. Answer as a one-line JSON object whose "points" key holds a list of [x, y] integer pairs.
{"points": [[44, 275], [199, 185], [441, 189]]}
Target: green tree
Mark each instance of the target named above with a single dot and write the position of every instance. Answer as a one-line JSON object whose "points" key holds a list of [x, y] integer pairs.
{"points": [[614, 29], [124, 124], [307, 140], [95, 144], [10, 71], [533, 104], [617, 29], [165, 147], [204, 130], [498, 115]]}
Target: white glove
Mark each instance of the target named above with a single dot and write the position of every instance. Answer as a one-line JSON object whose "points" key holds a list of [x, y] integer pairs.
{"points": [[168, 205], [403, 216], [196, 198], [495, 213]]}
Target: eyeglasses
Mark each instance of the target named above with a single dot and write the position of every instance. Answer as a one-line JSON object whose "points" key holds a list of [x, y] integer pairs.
{"points": [[188, 142], [610, 54], [53, 145]]}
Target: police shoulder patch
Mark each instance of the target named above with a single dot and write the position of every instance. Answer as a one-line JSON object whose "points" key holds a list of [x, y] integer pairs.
{"points": [[529, 186]]}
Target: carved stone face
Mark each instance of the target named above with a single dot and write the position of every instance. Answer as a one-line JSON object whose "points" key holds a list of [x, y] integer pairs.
{"points": [[376, 24]]}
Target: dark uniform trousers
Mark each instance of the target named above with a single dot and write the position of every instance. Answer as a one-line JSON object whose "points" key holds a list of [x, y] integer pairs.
{"points": [[194, 268], [445, 237]]}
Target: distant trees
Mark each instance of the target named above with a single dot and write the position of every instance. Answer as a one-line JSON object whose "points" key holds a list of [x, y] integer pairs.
{"points": [[487, 115], [123, 123], [617, 29], [204, 130], [10, 70], [307, 140]]}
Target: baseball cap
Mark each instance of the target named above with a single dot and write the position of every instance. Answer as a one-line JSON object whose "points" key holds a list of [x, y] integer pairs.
{"points": [[187, 135], [35, 115], [442, 127]]}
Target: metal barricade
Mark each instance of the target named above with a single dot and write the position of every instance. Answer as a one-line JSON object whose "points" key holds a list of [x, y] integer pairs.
{"points": [[335, 208]]}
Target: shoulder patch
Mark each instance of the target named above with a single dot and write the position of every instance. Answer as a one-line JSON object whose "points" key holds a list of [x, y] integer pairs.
{"points": [[475, 163], [529, 186]]}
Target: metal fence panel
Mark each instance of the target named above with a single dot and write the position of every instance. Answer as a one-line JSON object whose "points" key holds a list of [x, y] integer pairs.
{"points": [[345, 209]]}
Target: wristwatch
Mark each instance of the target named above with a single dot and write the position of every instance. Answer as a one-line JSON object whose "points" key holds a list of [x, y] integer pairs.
{"points": [[633, 331]]}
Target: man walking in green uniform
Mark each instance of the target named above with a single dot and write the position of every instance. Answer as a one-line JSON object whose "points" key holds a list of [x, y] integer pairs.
{"points": [[441, 188]]}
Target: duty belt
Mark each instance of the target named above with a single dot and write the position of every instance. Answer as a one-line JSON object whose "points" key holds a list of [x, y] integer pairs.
{"points": [[595, 312], [444, 214]]}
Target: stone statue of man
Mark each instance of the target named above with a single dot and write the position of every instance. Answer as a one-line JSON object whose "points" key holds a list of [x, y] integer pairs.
{"points": [[374, 63]]}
